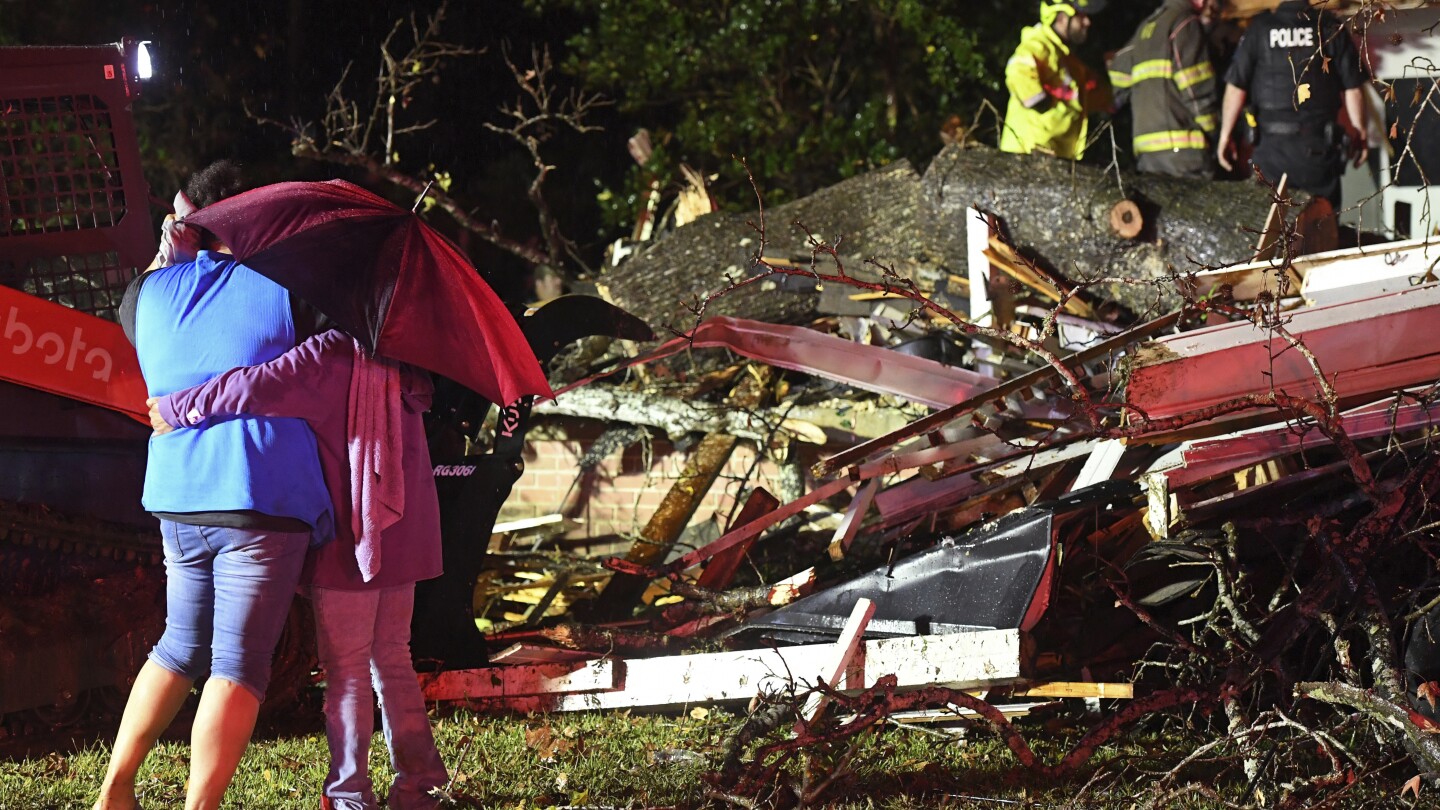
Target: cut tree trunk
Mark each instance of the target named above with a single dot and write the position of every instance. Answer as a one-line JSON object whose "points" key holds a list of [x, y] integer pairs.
{"points": [[1060, 214], [1076, 220]]}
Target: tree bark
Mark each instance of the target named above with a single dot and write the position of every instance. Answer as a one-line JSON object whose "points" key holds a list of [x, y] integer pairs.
{"points": [[875, 214]]}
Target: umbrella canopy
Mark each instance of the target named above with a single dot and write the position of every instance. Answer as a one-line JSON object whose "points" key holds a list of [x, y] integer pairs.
{"points": [[384, 277]]}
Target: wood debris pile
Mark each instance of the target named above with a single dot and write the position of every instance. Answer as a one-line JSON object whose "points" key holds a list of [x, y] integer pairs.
{"points": [[1076, 475]]}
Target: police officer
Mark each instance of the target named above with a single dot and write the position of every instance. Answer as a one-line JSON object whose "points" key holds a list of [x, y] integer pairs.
{"points": [[1296, 66], [1051, 90]]}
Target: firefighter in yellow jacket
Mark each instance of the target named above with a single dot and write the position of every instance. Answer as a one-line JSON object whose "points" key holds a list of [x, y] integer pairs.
{"points": [[1052, 92], [1165, 74]]}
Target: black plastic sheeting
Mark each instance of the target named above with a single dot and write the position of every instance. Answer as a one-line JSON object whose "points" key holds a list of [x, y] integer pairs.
{"points": [[996, 576]]}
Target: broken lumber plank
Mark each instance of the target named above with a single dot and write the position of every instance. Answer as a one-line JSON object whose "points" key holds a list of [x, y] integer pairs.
{"points": [[522, 680], [851, 636], [1379, 344], [919, 496], [673, 514], [854, 516], [958, 660], [1100, 465], [1073, 689], [792, 587], [952, 712], [979, 226], [1271, 231], [863, 473], [522, 653], [1039, 457], [1269, 491], [1348, 274], [1005, 259], [721, 568], [526, 524], [741, 534], [941, 418], [1246, 281]]}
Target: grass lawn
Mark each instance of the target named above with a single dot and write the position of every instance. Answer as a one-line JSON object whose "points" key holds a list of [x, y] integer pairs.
{"points": [[614, 759]]}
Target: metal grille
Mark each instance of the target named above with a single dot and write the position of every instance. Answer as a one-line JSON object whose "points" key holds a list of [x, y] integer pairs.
{"points": [[92, 283], [60, 165]]}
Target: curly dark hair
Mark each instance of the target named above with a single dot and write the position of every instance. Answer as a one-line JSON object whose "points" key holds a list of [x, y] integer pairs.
{"points": [[215, 182], [210, 185]]}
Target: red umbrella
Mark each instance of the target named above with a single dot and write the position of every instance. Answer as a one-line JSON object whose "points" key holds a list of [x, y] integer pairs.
{"points": [[384, 277]]}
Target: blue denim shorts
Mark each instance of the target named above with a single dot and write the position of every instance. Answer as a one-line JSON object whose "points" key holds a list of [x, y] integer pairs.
{"points": [[227, 594]]}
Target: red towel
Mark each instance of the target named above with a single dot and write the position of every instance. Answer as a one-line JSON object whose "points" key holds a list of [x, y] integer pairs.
{"points": [[377, 477]]}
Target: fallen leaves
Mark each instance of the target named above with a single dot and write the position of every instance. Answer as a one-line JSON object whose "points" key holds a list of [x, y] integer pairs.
{"points": [[547, 744], [1428, 691]]}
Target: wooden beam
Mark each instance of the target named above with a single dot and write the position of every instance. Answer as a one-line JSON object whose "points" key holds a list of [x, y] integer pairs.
{"points": [[1101, 464], [959, 660], [1004, 258], [1074, 689], [721, 568], [978, 228], [854, 516], [522, 681], [851, 636], [521, 653], [952, 713], [1206, 459], [1273, 229], [792, 587], [1370, 270], [753, 529], [528, 523]]}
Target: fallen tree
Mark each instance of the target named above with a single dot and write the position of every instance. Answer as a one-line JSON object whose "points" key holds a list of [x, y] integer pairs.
{"points": [[1061, 215]]}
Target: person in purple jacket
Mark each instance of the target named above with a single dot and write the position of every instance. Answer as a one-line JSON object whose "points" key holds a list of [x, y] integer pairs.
{"points": [[366, 415]]}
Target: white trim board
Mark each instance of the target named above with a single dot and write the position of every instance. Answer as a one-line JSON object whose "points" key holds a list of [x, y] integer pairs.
{"points": [[960, 660]]}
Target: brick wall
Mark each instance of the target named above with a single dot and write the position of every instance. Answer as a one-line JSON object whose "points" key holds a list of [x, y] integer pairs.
{"points": [[622, 492]]}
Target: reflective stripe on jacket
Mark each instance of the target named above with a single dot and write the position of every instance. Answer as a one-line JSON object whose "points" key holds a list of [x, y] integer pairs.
{"points": [[1165, 74]]}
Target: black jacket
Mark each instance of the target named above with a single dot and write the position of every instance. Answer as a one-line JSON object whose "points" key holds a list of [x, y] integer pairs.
{"points": [[1295, 63]]}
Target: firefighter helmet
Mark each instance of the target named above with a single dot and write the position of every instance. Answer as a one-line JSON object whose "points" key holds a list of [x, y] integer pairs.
{"points": [[1050, 9]]}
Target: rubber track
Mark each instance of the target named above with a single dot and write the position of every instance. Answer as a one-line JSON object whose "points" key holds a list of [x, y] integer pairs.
{"points": [[39, 527]]}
